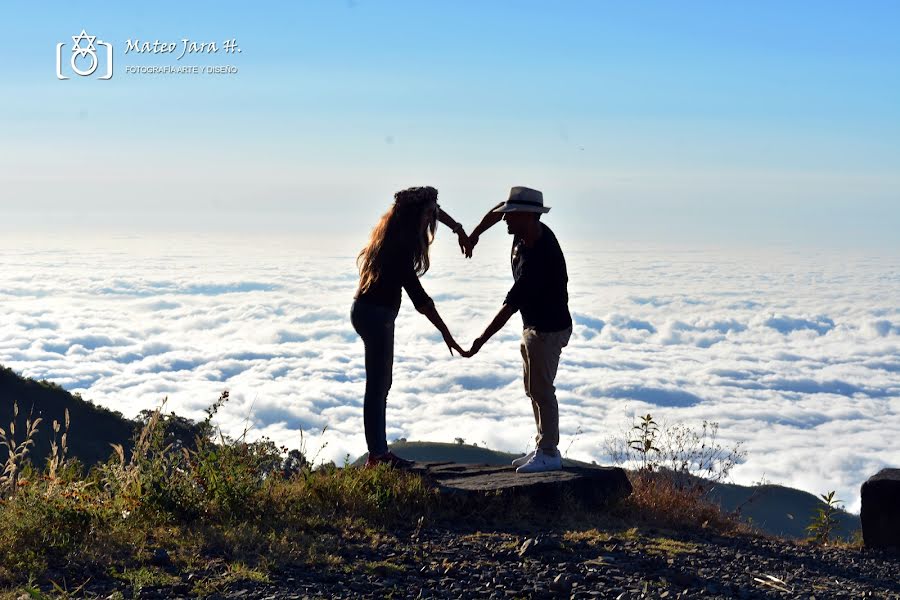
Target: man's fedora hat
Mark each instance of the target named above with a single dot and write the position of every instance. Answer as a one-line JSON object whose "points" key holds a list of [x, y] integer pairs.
{"points": [[523, 199]]}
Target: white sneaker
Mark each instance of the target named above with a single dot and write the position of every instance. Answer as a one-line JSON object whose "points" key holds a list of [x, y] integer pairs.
{"points": [[522, 459], [541, 462]]}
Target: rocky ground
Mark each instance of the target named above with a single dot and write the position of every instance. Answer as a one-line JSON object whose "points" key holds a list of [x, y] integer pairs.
{"points": [[441, 563]]}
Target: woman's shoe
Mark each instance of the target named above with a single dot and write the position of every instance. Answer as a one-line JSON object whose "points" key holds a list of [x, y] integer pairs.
{"points": [[389, 458], [396, 461]]}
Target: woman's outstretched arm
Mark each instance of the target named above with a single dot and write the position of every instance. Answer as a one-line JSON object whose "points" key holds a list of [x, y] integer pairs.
{"points": [[431, 312], [457, 228]]}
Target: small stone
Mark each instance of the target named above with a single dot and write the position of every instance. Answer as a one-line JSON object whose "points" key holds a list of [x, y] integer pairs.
{"points": [[160, 558], [528, 546], [682, 579], [561, 582]]}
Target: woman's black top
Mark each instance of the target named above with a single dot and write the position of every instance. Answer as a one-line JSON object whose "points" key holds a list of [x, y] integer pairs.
{"points": [[397, 271]]}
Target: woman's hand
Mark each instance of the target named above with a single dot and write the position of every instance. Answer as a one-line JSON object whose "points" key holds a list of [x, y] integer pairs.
{"points": [[463, 240], [451, 344]]}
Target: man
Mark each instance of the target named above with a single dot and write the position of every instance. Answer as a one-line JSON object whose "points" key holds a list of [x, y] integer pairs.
{"points": [[540, 294]]}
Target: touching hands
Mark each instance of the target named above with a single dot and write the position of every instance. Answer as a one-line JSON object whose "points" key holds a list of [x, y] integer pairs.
{"points": [[476, 346], [466, 242], [463, 240], [469, 245]]}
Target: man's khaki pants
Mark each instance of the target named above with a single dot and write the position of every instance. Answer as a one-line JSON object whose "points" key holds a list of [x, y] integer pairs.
{"points": [[540, 360]]}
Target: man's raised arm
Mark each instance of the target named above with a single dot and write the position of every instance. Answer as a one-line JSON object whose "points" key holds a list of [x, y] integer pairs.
{"points": [[489, 220], [506, 311]]}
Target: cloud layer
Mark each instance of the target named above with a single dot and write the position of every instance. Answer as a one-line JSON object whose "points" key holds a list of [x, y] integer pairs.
{"points": [[795, 354]]}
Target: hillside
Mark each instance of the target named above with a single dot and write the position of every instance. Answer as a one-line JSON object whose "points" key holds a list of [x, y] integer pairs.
{"points": [[777, 509], [92, 428], [773, 509]]}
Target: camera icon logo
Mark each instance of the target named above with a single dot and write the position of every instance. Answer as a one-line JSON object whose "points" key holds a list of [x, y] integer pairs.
{"points": [[84, 61]]}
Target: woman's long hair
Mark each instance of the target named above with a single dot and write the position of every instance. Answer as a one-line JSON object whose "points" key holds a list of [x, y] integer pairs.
{"points": [[399, 234]]}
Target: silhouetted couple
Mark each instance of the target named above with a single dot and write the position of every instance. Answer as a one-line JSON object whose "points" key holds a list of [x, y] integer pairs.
{"points": [[395, 258]]}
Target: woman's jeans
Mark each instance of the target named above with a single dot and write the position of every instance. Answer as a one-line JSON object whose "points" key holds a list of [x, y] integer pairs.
{"points": [[375, 325]]}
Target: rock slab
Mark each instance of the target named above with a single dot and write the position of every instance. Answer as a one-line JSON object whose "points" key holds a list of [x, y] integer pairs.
{"points": [[880, 514], [593, 487]]}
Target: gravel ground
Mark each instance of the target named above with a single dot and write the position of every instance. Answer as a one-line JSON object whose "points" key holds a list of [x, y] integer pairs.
{"points": [[440, 563]]}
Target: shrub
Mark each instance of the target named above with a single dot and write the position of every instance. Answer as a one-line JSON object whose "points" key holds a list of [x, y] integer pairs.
{"points": [[677, 448], [673, 469], [38, 527], [661, 500], [166, 480], [824, 520]]}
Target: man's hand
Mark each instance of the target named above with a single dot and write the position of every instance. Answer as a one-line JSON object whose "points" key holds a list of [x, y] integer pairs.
{"points": [[506, 311], [471, 240], [452, 345], [476, 346], [463, 240]]}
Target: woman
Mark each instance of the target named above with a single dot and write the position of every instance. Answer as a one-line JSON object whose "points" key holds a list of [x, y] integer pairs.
{"points": [[395, 258]]}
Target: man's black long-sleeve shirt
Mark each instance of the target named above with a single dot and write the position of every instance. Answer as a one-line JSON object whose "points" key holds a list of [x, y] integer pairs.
{"points": [[540, 292]]}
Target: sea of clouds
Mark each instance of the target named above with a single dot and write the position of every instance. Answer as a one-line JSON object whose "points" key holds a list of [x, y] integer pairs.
{"points": [[796, 354]]}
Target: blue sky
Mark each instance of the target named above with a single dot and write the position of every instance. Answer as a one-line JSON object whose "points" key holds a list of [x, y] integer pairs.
{"points": [[695, 121]]}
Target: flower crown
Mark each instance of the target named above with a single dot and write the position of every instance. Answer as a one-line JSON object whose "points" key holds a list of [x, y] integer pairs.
{"points": [[415, 195]]}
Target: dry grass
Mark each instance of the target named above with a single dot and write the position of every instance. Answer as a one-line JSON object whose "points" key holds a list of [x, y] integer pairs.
{"points": [[58, 449], [17, 452], [661, 500]]}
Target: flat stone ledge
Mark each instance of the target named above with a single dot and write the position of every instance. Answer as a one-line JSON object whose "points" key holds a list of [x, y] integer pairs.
{"points": [[592, 486]]}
